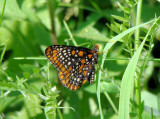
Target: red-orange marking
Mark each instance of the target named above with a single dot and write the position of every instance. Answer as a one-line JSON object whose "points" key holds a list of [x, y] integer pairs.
{"points": [[56, 61], [63, 69], [54, 51], [90, 56], [60, 65], [47, 53], [63, 81], [84, 81], [54, 58], [83, 61], [70, 68], [50, 58], [71, 86], [67, 79], [60, 73], [67, 75], [73, 52], [49, 49], [75, 87], [54, 54], [61, 77], [68, 84], [80, 53], [84, 73], [80, 68]]}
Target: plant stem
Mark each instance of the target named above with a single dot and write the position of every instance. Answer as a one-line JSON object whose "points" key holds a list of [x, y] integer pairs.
{"points": [[69, 32], [137, 82], [110, 101], [52, 7]]}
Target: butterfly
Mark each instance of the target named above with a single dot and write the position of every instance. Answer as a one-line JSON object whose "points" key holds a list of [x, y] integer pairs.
{"points": [[75, 64]]}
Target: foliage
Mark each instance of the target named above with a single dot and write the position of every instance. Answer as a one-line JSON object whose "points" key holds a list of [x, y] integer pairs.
{"points": [[126, 80]]}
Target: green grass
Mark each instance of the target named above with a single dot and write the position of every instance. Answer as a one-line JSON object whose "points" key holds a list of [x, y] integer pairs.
{"points": [[127, 75]]}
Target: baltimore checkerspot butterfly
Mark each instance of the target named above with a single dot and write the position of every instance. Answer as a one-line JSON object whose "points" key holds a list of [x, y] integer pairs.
{"points": [[75, 64]]}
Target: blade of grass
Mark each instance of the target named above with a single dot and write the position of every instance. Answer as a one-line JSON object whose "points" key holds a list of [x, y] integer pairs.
{"points": [[4, 4], [3, 52], [102, 59], [69, 32]]}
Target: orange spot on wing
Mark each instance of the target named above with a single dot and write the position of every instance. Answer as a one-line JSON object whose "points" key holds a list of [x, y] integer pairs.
{"points": [[67, 75], [80, 68], [63, 82], [80, 53], [60, 73], [55, 54], [49, 49], [54, 58], [90, 56], [84, 81], [47, 53], [70, 86], [60, 65], [75, 87], [83, 61], [54, 51], [67, 79], [84, 73], [73, 52], [61, 77], [56, 61], [50, 58], [70, 68], [63, 69], [66, 71]]}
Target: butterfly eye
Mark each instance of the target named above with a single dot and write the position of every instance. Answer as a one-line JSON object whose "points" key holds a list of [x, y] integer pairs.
{"points": [[75, 64]]}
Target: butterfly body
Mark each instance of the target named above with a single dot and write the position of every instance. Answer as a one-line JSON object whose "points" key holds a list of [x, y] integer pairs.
{"points": [[75, 64]]}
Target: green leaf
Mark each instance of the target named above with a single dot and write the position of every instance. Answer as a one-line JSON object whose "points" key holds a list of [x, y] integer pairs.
{"points": [[109, 87], [125, 9], [120, 18], [8, 86]]}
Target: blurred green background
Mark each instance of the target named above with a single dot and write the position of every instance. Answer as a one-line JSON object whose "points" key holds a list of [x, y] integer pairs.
{"points": [[28, 27]]}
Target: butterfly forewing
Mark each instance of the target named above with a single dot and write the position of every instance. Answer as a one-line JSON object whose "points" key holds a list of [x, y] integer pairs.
{"points": [[75, 64]]}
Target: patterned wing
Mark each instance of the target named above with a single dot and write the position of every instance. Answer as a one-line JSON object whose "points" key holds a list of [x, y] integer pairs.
{"points": [[75, 64], [77, 75], [63, 57]]}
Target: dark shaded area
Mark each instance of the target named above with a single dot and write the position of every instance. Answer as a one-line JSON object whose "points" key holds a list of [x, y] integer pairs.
{"points": [[7, 55], [156, 49]]}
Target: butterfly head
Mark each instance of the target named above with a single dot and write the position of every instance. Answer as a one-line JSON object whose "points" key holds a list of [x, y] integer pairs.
{"points": [[95, 48]]}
